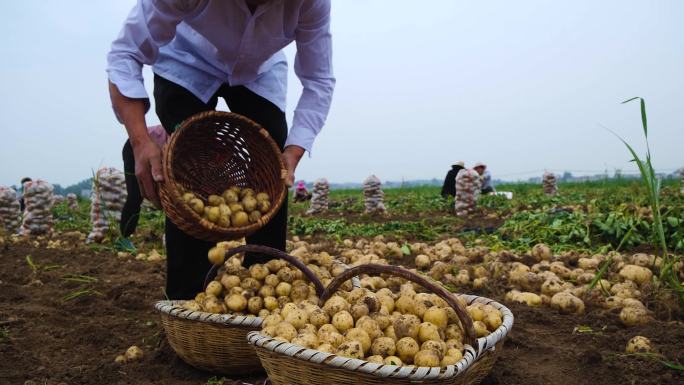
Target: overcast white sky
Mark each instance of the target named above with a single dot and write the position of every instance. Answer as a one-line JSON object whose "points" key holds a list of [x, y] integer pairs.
{"points": [[521, 85]]}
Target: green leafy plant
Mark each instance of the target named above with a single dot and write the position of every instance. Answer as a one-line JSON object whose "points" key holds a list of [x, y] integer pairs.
{"points": [[652, 183]]}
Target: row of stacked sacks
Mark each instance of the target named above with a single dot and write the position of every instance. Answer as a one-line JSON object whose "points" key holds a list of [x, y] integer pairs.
{"points": [[10, 211], [389, 320]]}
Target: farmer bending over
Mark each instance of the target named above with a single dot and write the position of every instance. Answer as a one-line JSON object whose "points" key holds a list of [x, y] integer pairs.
{"points": [[201, 50]]}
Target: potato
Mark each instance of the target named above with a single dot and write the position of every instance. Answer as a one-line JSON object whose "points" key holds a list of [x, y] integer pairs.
{"points": [[215, 200], [191, 305], [318, 318], [383, 346], [449, 360], [437, 316], [287, 308], [634, 316], [250, 283], [360, 335], [407, 348], [213, 306], [224, 210], [297, 318], [286, 330], [350, 349], [375, 360], [299, 292], [309, 328], [214, 288], [325, 348], [263, 206], [541, 252], [224, 221], [359, 310], [236, 302], [255, 304], [389, 332], [406, 325], [270, 303], [268, 330], [405, 304], [197, 206], [637, 274], [239, 218], [272, 320], [188, 196], [383, 319], [343, 321], [134, 353], [475, 312], [493, 321], [393, 360], [285, 274], [639, 344], [335, 305], [370, 326], [567, 303], [283, 289], [267, 291], [216, 255], [262, 196], [229, 197], [254, 216], [422, 261], [247, 192], [271, 279], [307, 340], [428, 331], [427, 358], [249, 203], [264, 313], [332, 338], [480, 329], [438, 346]]}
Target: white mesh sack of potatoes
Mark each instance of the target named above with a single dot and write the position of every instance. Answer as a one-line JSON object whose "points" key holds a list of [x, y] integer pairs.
{"points": [[10, 210], [107, 199], [468, 186], [38, 213], [319, 197], [373, 195]]}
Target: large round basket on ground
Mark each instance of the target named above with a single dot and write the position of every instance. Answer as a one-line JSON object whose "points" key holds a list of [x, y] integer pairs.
{"points": [[286, 363], [210, 152], [217, 342]]}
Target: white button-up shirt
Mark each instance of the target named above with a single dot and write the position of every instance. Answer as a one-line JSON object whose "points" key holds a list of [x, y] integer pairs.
{"points": [[202, 44]]}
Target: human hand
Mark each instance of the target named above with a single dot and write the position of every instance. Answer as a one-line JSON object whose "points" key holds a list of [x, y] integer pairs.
{"points": [[291, 155], [148, 169]]}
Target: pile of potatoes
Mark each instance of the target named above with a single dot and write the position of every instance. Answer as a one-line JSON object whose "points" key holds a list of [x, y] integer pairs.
{"points": [[404, 328], [261, 289], [235, 207]]}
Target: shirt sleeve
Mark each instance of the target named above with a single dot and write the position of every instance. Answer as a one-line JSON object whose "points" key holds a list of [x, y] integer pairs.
{"points": [[149, 25], [313, 66]]}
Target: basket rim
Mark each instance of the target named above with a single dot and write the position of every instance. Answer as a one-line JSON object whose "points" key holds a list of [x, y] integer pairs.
{"points": [[471, 355], [170, 185]]}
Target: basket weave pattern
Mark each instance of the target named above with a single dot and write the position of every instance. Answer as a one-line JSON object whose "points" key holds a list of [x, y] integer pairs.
{"points": [[210, 152], [217, 342], [287, 363]]}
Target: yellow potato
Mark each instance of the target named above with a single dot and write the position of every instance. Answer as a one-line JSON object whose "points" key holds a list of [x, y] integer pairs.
{"points": [[197, 206], [239, 219], [215, 200], [229, 196]]}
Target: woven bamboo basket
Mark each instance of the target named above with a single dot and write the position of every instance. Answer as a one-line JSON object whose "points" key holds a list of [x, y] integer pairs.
{"points": [[216, 342], [210, 152], [287, 364]]}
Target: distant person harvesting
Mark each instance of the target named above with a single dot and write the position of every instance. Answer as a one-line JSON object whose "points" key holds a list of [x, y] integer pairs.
{"points": [[201, 50], [449, 186], [485, 177]]}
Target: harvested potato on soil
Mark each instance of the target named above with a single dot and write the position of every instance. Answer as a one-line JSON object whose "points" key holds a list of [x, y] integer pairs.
{"points": [[639, 344]]}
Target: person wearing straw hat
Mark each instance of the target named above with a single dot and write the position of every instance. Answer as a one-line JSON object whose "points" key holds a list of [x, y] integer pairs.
{"points": [[485, 177], [201, 50], [449, 186]]}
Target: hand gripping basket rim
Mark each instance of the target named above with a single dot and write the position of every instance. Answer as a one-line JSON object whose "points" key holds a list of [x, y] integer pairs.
{"points": [[470, 357]]}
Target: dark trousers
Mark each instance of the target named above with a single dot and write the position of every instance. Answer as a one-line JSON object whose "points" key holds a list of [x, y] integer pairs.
{"points": [[131, 209], [187, 263]]}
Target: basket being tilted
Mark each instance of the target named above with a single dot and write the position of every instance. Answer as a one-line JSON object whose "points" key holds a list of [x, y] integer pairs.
{"points": [[210, 152], [287, 363]]}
